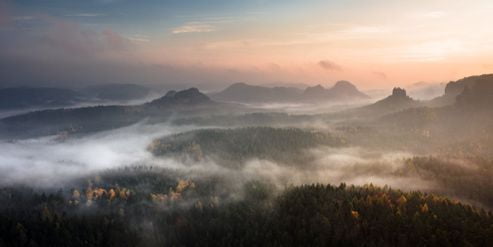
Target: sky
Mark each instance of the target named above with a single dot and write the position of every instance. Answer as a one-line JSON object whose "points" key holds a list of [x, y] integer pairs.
{"points": [[212, 43]]}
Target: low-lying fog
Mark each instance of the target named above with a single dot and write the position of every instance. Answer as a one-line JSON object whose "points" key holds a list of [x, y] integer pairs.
{"points": [[309, 108], [89, 103], [48, 162]]}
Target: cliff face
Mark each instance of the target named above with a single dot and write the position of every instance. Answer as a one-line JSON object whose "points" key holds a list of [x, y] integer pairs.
{"points": [[397, 101], [478, 95], [399, 93], [456, 88]]}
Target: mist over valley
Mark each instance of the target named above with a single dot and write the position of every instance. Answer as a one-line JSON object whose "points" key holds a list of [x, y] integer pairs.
{"points": [[246, 123]]}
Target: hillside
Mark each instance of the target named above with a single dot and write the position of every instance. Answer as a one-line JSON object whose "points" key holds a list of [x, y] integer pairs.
{"points": [[90, 119]]}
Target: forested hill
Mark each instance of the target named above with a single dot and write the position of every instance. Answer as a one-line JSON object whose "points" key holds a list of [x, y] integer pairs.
{"points": [[97, 118], [232, 147]]}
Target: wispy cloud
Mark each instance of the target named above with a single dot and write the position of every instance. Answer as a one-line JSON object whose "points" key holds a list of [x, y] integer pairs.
{"points": [[329, 65], [85, 15], [194, 27], [365, 30], [380, 75], [209, 19], [23, 18], [434, 50], [139, 38]]}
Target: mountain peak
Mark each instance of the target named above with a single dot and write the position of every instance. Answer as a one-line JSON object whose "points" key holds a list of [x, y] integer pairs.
{"points": [[344, 84], [243, 92], [238, 85], [399, 100], [346, 90], [317, 87], [399, 92], [170, 94], [187, 96], [315, 92]]}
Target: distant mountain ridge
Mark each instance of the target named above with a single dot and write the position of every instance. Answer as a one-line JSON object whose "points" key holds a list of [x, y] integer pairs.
{"points": [[242, 92], [37, 97], [470, 112], [341, 91], [116, 92], [472, 91], [49, 97]]}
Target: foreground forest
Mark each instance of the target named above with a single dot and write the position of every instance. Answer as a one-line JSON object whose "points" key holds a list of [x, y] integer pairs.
{"points": [[151, 207]]}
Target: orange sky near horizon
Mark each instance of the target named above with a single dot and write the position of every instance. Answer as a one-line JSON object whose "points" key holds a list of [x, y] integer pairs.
{"points": [[388, 46], [374, 43]]}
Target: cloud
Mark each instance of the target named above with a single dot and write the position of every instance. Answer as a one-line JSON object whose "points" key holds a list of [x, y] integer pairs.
{"points": [[366, 30], [380, 75], [85, 15], [114, 40], [58, 38], [194, 27], [329, 65], [435, 50], [139, 38]]}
